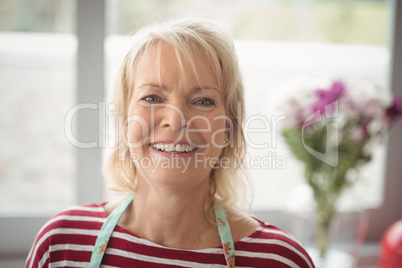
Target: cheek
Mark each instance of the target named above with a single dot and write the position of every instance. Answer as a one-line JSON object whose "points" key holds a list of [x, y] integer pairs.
{"points": [[134, 132], [218, 132], [138, 125]]}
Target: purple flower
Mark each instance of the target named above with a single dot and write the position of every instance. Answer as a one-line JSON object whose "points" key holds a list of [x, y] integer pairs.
{"points": [[328, 96], [360, 132], [394, 110]]}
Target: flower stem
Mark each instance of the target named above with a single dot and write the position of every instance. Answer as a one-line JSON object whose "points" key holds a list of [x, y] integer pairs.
{"points": [[325, 214], [323, 236]]}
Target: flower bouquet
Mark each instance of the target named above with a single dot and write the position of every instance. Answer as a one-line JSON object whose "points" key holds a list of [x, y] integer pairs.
{"points": [[330, 129]]}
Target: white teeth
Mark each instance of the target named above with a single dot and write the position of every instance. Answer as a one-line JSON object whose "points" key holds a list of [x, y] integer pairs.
{"points": [[178, 148], [173, 148]]}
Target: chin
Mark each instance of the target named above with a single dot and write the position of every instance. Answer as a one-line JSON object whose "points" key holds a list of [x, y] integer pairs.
{"points": [[176, 178]]}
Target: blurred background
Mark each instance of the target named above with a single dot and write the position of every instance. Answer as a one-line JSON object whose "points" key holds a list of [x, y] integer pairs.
{"points": [[47, 66]]}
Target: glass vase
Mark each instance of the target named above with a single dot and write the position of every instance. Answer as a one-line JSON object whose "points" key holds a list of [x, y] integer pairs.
{"points": [[332, 235]]}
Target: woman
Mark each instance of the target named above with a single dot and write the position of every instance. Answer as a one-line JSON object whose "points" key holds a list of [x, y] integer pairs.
{"points": [[180, 147]]}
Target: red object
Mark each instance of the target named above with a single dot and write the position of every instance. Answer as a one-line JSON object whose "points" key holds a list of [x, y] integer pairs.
{"points": [[391, 247]]}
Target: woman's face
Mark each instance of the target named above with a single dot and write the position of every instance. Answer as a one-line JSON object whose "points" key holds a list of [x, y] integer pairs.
{"points": [[176, 122]]}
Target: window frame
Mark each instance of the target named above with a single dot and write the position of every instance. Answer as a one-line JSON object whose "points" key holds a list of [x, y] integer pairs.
{"points": [[18, 232]]}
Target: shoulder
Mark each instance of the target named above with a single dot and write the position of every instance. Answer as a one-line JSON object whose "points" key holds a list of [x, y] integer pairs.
{"points": [[74, 225], [242, 225], [271, 245], [77, 217]]}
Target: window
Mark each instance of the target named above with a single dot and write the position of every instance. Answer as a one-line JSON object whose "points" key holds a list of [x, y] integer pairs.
{"points": [[37, 77]]}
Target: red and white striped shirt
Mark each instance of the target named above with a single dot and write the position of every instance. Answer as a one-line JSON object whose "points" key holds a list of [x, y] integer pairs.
{"points": [[68, 238]]}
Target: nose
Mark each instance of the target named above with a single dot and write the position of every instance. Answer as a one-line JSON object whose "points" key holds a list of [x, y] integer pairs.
{"points": [[173, 116]]}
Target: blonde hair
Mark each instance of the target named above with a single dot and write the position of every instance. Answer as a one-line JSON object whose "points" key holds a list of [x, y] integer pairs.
{"points": [[228, 185]]}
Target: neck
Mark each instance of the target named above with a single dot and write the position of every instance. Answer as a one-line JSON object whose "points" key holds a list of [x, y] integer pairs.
{"points": [[171, 218]]}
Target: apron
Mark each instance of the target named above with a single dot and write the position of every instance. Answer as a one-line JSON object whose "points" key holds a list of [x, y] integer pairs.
{"points": [[111, 221]]}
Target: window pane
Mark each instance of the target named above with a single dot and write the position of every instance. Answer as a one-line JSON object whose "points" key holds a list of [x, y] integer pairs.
{"points": [[329, 21], [37, 52], [278, 41]]}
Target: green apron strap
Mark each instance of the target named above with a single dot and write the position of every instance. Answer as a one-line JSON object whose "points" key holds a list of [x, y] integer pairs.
{"points": [[106, 231], [110, 223], [225, 234]]}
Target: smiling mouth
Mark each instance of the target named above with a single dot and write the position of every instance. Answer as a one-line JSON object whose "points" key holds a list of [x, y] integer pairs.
{"points": [[173, 148]]}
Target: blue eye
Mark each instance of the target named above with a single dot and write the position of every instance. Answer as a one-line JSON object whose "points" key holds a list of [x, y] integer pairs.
{"points": [[205, 102], [151, 99]]}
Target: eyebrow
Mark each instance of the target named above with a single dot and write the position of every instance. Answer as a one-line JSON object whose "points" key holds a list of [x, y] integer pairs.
{"points": [[194, 89], [151, 85]]}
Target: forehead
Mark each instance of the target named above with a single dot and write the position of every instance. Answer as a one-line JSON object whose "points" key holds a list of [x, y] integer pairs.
{"points": [[167, 64]]}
